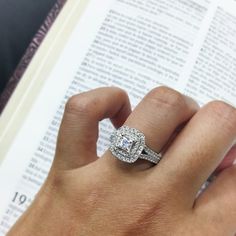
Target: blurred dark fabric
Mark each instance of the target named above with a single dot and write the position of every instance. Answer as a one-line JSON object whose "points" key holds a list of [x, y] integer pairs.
{"points": [[19, 22]]}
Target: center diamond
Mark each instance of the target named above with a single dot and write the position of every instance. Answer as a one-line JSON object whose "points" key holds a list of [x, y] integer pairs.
{"points": [[125, 144]]}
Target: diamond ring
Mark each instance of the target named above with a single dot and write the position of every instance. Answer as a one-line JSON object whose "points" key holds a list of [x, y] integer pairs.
{"points": [[128, 145]]}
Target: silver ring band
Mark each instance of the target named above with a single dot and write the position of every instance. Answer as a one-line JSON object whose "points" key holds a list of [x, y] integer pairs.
{"points": [[128, 145]]}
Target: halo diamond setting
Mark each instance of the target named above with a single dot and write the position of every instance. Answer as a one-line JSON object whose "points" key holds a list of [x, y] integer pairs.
{"points": [[128, 145]]}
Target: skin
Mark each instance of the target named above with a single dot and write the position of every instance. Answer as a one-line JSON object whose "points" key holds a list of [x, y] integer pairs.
{"points": [[84, 195]]}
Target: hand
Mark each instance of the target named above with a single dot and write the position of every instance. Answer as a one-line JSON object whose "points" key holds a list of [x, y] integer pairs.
{"points": [[85, 196]]}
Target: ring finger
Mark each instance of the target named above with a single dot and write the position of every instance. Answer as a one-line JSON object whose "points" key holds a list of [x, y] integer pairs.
{"points": [[159, 114]]}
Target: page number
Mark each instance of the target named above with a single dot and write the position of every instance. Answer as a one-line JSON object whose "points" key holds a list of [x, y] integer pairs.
{"points": [[20, 199]]}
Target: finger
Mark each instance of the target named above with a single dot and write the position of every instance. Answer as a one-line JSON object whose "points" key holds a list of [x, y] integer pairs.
{"points": [[217, 203], [159, 114], [79, 129], [200, 148]]}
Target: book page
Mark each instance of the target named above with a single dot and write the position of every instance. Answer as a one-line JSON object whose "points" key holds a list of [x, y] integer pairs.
{"points": [[135, 45], [211, 72]]}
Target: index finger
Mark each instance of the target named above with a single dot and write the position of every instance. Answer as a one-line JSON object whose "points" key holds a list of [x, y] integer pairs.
{"points": [[77, 140]]}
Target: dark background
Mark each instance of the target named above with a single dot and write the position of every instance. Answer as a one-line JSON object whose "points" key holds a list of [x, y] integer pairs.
{"points": [[19, 22]]}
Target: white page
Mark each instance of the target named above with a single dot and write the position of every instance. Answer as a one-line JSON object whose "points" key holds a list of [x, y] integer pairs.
{"points": [[210, 73], [152, 41]]}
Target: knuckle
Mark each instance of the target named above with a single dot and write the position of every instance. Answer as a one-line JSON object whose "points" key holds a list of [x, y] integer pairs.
{"points": [[120, 92], [79, 105], [223, 113], [165, 96]]}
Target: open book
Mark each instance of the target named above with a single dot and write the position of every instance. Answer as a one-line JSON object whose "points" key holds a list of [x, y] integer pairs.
{"points": [[189, 45]]}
